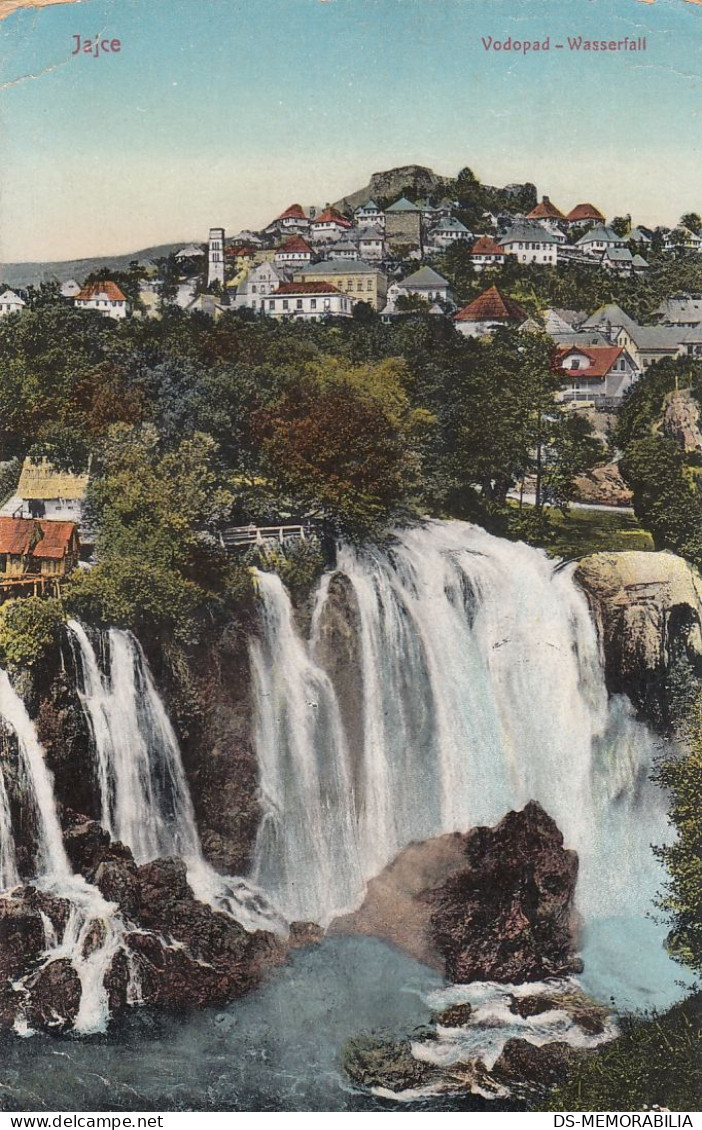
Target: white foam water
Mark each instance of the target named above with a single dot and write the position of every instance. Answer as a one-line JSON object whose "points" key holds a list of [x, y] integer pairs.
{"points": [[90, 915], [483, 688], [144, 794]]}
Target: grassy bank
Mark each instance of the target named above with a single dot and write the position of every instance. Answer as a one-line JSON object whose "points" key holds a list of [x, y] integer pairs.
{"points": [[656, 1062], [575, 534]]}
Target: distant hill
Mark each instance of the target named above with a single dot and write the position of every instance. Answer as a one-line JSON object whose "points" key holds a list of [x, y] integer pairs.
{"points": [[28, 274]]}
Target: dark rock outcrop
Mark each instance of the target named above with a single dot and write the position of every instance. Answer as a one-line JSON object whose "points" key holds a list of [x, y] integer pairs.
{"points": [[372, 1062], [531, 1070], [176, 951], [603, 486], [508, 916], [681, 420], [417, 180]]}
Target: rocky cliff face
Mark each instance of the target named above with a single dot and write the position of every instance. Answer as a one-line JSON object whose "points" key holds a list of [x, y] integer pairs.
{"points": [[681, 420], [177, 951], [648, 609], [415, 179]]}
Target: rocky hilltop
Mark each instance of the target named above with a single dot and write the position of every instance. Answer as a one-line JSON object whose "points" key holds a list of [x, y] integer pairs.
{"points": [[412, 180]]}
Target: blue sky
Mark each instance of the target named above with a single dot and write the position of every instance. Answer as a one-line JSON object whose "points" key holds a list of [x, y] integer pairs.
{"points": [[226, 111]]}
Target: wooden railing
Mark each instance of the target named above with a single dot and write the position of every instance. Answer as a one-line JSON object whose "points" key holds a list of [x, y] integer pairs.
{"points": [[241, 537]]}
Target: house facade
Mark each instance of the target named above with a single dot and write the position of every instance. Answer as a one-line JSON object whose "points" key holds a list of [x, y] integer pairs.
{"points": [[447, 232], [45, 492], [261, 281], [485, 253], [599, 374], [426, 283], [34, 550], [308, 301], [294, 254], [360, 281], [531, 243], [11, 303], [329, 226], [369, 215], [371, 243], [105, 298], [598, 240], [293, 221], [487, 312]]}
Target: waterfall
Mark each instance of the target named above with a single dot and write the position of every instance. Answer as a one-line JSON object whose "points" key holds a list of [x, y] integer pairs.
{"points": [[88, 909], [300, 738], [482, 688], [144, 795]]}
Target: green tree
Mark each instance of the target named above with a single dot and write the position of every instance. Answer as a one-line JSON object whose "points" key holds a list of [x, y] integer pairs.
{"points": [[692, 221], [667, 499], [344, 442], [157, 568], [681, 776]]}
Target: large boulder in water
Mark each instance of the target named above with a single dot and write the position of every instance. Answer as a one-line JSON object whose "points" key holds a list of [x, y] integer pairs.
{"points": [[492, 904], [508, 915], [648, 610], [208, 959]]}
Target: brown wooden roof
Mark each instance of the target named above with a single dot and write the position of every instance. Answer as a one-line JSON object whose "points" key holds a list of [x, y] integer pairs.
{"points": [[492, 306]]}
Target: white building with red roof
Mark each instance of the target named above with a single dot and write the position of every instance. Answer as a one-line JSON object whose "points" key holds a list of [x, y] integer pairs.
{"points": [[485, 252], [488, 312], [293, 220], [309, 301], [595, 374], [104, 297], [293, 255], [329, 225], [548, 216], [585, 214]]}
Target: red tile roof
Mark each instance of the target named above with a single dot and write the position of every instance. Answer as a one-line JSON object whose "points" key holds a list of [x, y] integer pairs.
{"points": [[307, 288], [545, 211], [294, 212], [585, 212], [235, 250], [56, 539], [601, 357], [102, 289], [486, 245], [296, 243], [18, 534], [330, 215], [492, 306]]}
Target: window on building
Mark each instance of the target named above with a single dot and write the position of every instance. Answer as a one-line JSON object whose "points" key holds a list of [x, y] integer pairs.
{"points": [[285, 304], [298, 304], [313, 304]]}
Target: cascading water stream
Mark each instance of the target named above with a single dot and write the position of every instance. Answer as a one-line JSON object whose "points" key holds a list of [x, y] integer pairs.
{"points": [[144, 794], [482, 688], [88, 909]]}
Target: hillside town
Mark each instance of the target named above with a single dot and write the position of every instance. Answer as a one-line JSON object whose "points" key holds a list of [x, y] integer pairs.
{"points": [[316, 263], [380, 256]]}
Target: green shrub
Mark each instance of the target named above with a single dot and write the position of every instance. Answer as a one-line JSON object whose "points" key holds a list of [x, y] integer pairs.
{"points": [[29, 628], [655, 1062]]}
